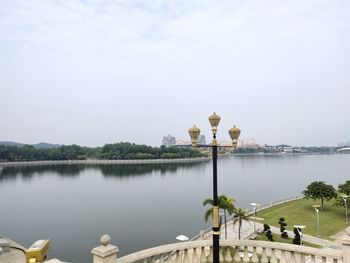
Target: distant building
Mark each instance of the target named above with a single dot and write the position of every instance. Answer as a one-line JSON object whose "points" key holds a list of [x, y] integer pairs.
{"points": [[224, 143], [248, 143], [271, 149], [201, 139], [168, 140], [293, 149], [183, 144]]}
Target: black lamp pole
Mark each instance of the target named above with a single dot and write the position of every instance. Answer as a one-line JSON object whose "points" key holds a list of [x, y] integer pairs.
{"points": [[215, 226], [234, 132]]}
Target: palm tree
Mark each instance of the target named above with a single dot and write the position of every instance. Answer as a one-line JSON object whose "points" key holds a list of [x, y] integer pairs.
{"points": [[225, 203], [238, 216]]}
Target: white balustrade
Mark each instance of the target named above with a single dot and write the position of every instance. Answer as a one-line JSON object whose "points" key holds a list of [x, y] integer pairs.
{"points": [[235, 251]]}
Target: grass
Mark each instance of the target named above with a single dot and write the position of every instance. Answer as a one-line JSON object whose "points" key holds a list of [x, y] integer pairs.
{"points": [[301, 212]]}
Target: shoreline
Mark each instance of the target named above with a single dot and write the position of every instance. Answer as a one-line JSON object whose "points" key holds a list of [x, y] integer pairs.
{"points": [[97, 162], [143, 161]]}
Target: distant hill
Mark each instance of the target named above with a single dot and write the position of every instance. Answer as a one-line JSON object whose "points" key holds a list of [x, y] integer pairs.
{"points": [[44, 145], [12, 144], [40, 145]]}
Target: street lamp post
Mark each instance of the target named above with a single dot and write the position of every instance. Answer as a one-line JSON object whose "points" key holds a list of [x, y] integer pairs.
{"points": [[317, 209], [234, 132], [254, 207], [301, 227], [345, 198]]}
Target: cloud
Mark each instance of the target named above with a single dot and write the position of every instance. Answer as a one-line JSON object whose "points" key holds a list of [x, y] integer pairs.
{"points": [[137, 56]]}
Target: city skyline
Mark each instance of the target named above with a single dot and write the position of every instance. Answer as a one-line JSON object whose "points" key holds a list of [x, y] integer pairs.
{"points": [[96, 72], [244, 143]]}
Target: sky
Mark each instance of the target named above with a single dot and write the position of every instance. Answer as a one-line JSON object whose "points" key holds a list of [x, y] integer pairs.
{"points": [[92, 72]]}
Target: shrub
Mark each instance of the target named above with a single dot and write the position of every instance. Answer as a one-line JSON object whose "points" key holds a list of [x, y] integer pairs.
{"points": [[268, 233], [283, 225]]}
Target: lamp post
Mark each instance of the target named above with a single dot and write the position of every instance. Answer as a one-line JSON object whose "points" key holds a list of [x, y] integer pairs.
{"points": [[234, 132], [301, 227], [345, 198], [254, 207], [317, 209]]}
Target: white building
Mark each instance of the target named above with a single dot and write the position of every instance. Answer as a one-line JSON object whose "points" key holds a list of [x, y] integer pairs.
{"points": [[168, 140], [201, 139]]}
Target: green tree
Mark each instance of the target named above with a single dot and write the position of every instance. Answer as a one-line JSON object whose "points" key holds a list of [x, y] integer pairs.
{"points": [[225, 203], [339, 201], [238, 216], [344, 188], [122, 150], [320, 190]]}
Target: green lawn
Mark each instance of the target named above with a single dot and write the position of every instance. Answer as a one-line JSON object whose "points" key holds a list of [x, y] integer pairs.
{"points": [[301, 212]]}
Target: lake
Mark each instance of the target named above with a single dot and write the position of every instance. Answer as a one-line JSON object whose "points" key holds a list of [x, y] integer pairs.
{"points": [[142, 206]]}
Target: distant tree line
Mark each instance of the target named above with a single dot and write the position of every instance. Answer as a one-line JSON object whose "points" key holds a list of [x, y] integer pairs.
{"points": [[117, 151]]}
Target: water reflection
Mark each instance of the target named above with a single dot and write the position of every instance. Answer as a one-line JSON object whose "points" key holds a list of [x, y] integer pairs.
{"points": [[142, 169], [28, 172], [73, 170]]}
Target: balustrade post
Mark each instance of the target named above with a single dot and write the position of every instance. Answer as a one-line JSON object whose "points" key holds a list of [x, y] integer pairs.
{"points": [[346, 246], [201, 234], [105, 253]]}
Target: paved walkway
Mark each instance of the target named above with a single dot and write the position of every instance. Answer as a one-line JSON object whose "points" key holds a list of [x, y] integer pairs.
{"points": [[232, 231], [339, 236]]}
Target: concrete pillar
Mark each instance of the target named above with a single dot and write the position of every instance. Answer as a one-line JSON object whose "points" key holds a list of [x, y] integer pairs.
{"points": [[105, 253], [346, 246]]}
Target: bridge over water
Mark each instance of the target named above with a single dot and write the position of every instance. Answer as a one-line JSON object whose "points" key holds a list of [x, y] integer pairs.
{"points": [[343, 150]]}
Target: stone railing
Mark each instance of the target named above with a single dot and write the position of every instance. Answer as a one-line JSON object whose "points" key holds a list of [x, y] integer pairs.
{"points": [[230, 251]]}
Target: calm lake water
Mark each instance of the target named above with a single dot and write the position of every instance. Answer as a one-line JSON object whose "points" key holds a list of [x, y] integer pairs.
{"points": [[142, 206]]}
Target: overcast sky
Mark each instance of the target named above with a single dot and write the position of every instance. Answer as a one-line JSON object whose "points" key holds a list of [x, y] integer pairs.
{"points": [[93, 72]]}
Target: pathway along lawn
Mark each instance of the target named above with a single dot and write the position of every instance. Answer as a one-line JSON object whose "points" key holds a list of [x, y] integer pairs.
{"points": [[301, 212], [289, 240]]}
